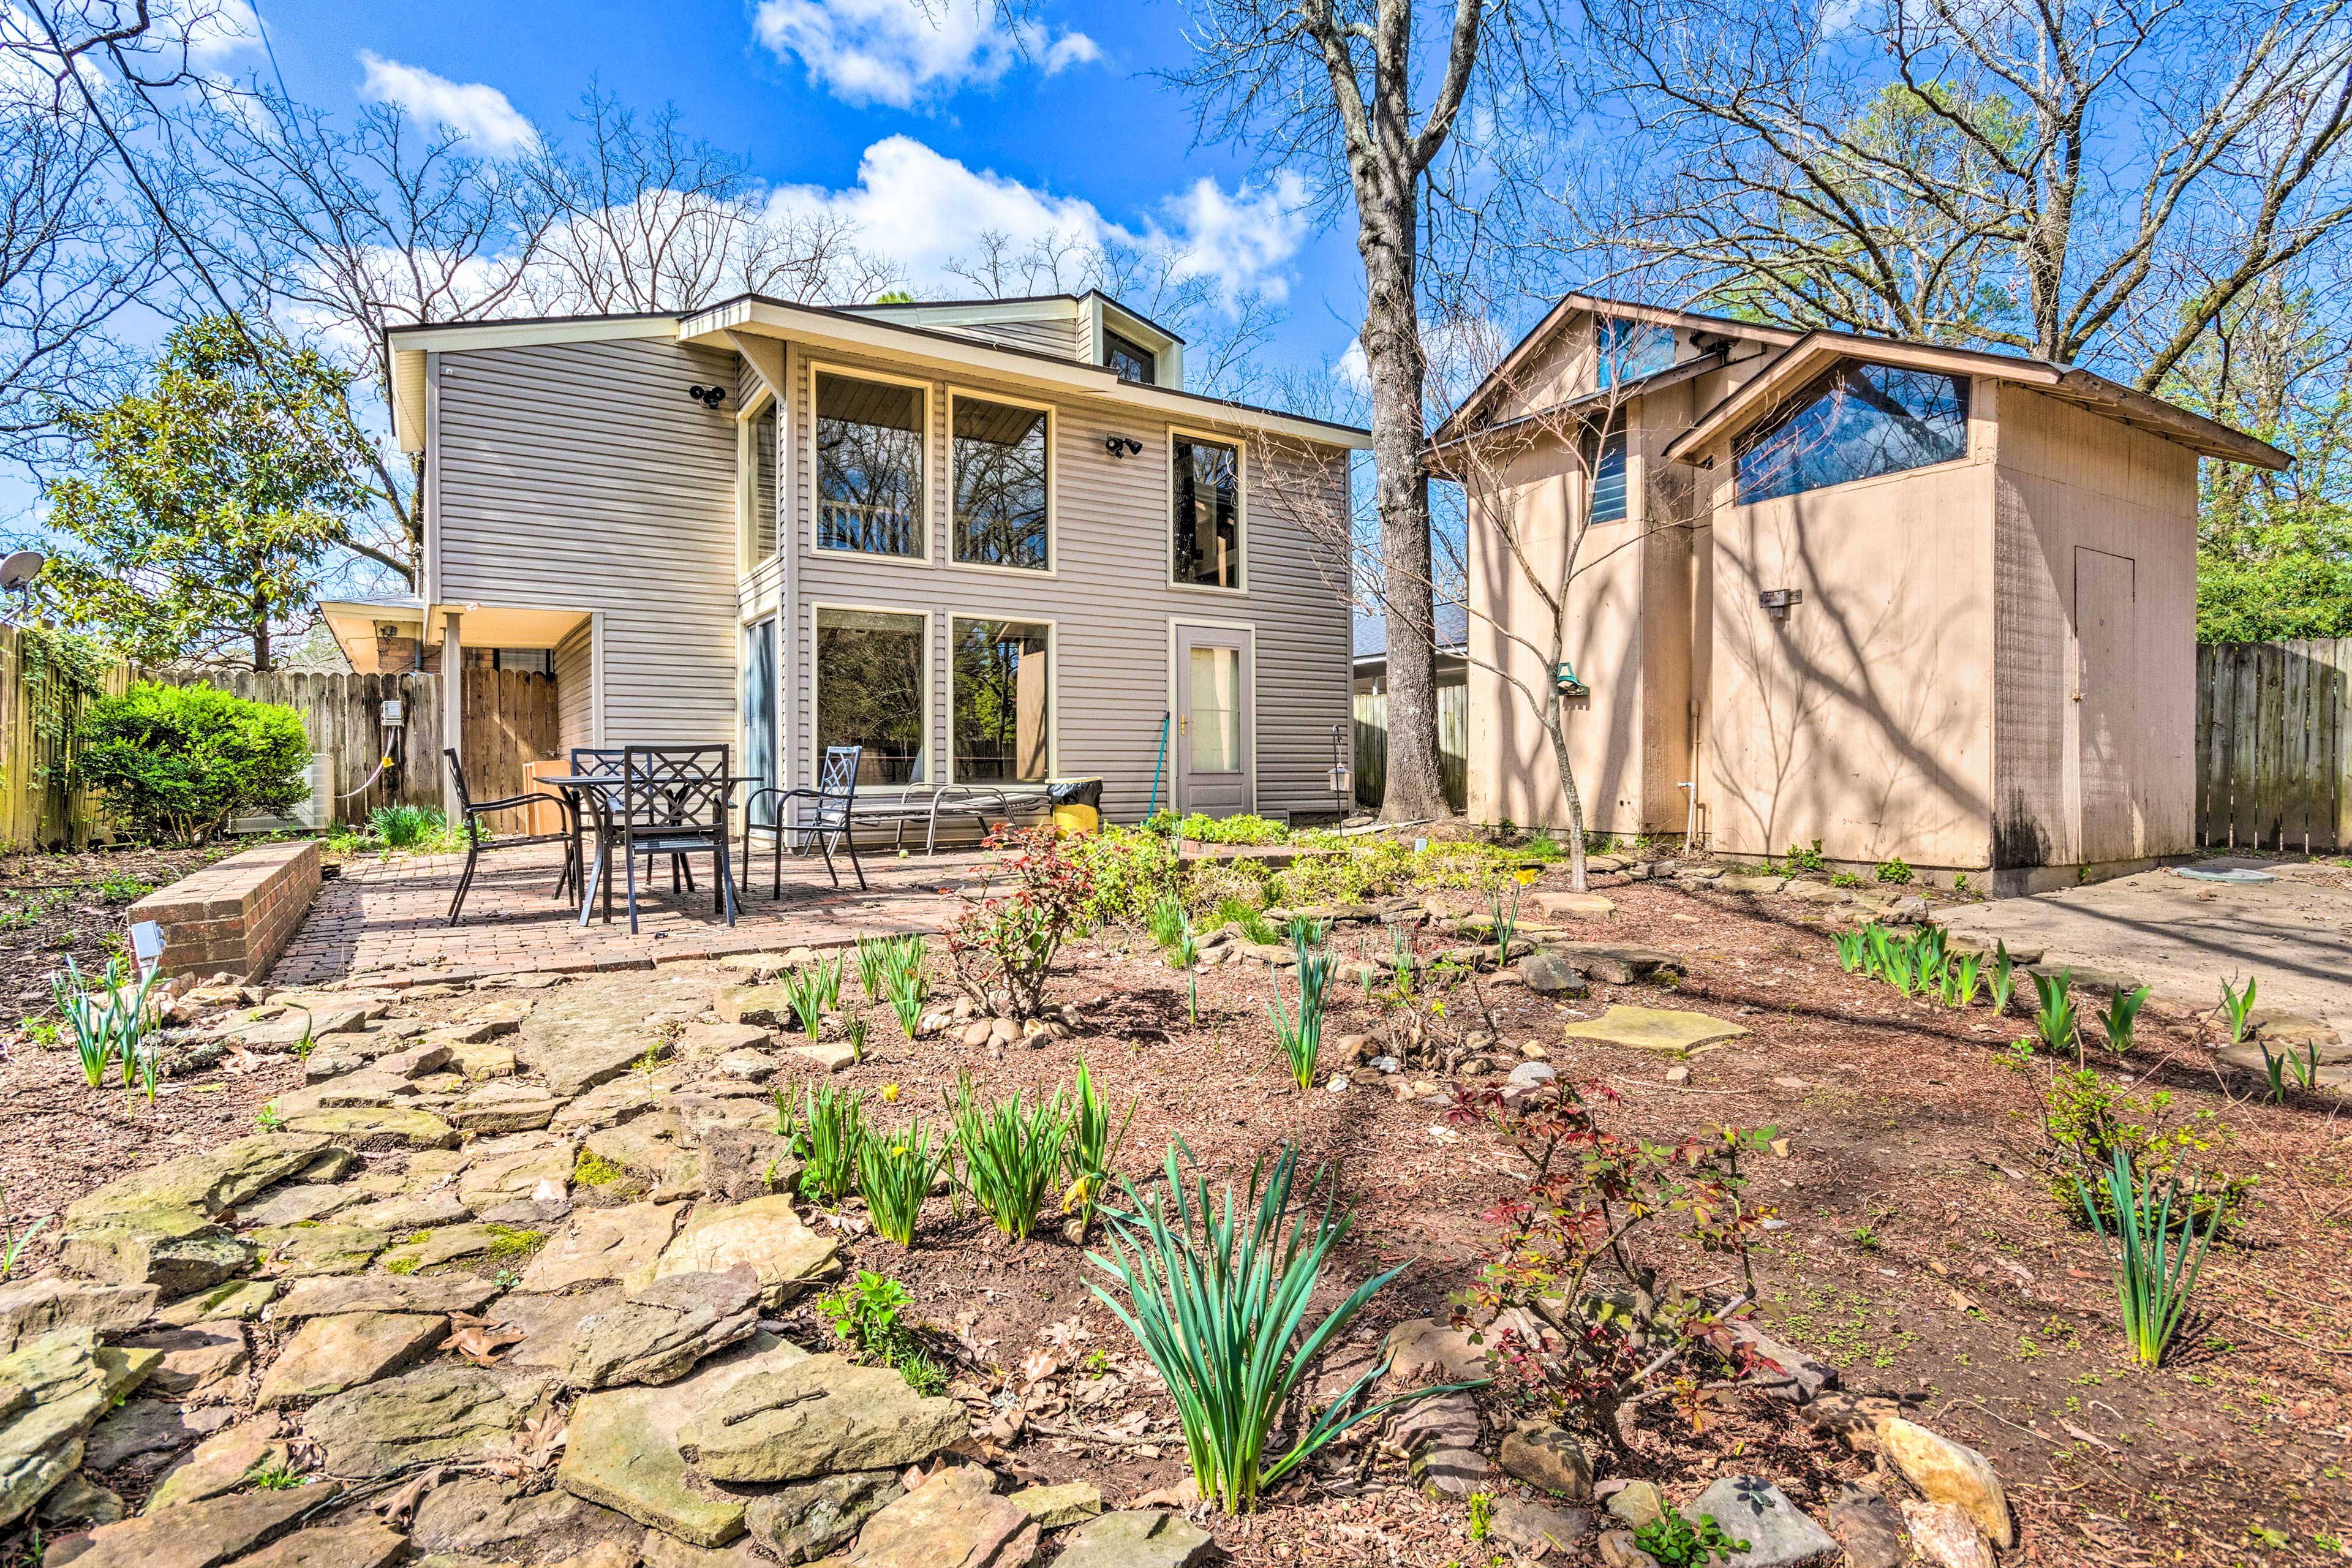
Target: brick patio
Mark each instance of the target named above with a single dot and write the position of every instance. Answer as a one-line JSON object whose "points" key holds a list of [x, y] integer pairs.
{"points": [[382, 923]]}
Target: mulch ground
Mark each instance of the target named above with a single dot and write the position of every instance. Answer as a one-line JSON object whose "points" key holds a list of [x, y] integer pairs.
{"points": [[1923, 1256]]}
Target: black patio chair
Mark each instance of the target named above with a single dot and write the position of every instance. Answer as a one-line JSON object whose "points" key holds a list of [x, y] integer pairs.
{"points": [[674, 802], [830, 821], [473, 811], [592, 763]]}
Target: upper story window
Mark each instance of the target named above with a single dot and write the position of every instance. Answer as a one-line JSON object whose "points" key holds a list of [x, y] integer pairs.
{"points": [[764, 482], [1856, 422], [1628, 351], [1129, 360], [1002, 505], [1207, 512], [1608, 478], [869, 466]]}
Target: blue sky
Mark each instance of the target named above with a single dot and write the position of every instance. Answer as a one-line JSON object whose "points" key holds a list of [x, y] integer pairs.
{"points": [[925, 131]]}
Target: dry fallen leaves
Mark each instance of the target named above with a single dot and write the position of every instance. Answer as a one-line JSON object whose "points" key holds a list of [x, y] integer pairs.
{"points": [[398, 1504], [479, 1339]]}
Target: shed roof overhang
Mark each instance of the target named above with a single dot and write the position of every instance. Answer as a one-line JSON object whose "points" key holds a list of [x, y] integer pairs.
{"points": [[1814, 355], [357, 623]]}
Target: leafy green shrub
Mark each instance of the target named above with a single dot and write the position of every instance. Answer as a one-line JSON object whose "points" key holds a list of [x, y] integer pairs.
{"points": [[403, 826], [1218, 1302], [1126, 871], [865, 1316], [1806, 860], [1894, 871], [1002, 944], [2089, 1122], [1198, 829], [1676, 1543], [173, 763]]}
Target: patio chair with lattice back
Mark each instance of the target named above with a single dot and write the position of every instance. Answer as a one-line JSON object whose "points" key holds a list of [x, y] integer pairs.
{"points": [[829, 819], [471, 811], [674, 802]]}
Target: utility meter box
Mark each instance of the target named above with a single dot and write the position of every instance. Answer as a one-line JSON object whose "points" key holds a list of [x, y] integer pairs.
{"points": [[393, 713]]}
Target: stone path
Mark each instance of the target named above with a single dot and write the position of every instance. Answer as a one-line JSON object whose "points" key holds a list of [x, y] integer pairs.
{"points": [[383, 923]]}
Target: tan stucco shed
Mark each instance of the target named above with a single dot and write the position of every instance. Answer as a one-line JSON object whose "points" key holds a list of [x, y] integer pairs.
{"points": [[1909, 601]]}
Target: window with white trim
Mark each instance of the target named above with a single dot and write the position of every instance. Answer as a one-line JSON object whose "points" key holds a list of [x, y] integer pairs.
{"points": [[1002, 470], [1207, 512], [1002, 724], [869, 466], [870, 692]]}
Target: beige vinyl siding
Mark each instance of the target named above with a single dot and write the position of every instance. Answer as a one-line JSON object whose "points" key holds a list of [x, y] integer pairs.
{"points": [[1109, 600], [579, 476], [575, 688], [1057, 338]]}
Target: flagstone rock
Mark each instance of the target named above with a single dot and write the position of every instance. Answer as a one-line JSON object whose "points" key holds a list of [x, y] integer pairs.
{"points": [[400, 1214], [659, 1332], [31, 1309], [1451, 1472], [642, 1147], [603, 1244], [735, 1164], [382, 1293], [1567, 906], [1545, 1456], [711, 1041], [1636, 1503], [472, 1517], [1618, 964], [199, 1535], [1137, 1538], [480, 1062], [294, 1205], [377, 1127], [174, 1249], [1054, 1507], [450, 1243], [1733, 882], [367, 1544], [221, 1463], [582, 1037], [1870, 1530], [77, 1500], [1422, 1350], [330, 1354], [954, 1521], [611, 1104], [820, 1416], [143, 1428], [1435, 1421], [504, 1106], [1943, 1534], [748, 1066], [1665, 1030], [1779, 1533], [1551, 975], [202, 1365], [765, 1233], [290, 1028], [758, 1006], [433, 1412], [51, 1393], [232, 1301], [1946, 1471], [548, 1321], [622, 1446], [1538, 1529], [805, 1522], [295, 1251], [510, 1174]]}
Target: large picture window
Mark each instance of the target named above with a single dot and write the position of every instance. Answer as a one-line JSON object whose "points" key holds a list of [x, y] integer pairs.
{"points": [[1003, 723], [1207, 512], [1001, 465], [869, 692], [1856, 423], [869, 466]]}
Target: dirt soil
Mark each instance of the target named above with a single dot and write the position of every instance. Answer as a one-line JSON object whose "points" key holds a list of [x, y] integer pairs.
{"points": [[1923, 1254]]}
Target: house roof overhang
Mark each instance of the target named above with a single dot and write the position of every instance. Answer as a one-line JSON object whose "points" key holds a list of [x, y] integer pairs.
{"points": [[1814, 355], [357, 623]]}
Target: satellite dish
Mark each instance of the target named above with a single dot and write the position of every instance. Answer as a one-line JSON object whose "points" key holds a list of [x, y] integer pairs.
{"points": [[20, 568]]}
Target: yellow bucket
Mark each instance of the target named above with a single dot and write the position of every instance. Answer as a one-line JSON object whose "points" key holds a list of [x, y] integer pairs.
{"points": [[1076, 819]]}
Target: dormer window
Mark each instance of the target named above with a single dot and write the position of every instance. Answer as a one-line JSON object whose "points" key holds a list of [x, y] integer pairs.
{"points": [[1129, 360], [1628, 351]]}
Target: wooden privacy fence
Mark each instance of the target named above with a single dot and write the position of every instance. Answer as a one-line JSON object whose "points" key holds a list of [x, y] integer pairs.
{"points": [[37, 725], [1453, 744], [2275, 745]]}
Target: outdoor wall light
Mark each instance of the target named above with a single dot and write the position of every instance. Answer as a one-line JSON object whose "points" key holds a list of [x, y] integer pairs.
{"points": [[1122, 445], [709, 396], [1779, 602]]}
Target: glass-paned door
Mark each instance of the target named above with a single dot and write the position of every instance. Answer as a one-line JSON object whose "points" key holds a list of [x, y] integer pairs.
{"points": [[760, 712]]}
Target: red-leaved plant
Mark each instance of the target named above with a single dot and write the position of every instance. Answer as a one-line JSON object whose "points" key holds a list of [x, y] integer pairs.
{"points": [[1593, 1326], [1002, 944]]}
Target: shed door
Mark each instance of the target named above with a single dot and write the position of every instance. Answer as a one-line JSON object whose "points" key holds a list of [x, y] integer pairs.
{"points": [[1212, 721], [2107, 707]]}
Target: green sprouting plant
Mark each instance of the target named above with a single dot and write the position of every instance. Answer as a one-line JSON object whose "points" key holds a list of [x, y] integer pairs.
{"points": [[275, 1476], [852, 1030], [1931, 953], [1506, 920], [1894, 871], [1093, 1147], [1313, 966], [2056, 1021], [1300, 1033], [1678, 1542], [1806, 860], [1218, 1302], [107, 1025], [805, 988], [864, 1315], [1245, 916], [2089, 1121], [908, 992], [832, 1120], [404, 826], [2001, 984], [267, 1119], [1963, 974], [2283, 1068], [2155, 1271], [893, 1173], [123, 888], [12, 1240], [1168, 919], [1010, 1156], [1844, 880], [1185, 954], [2238, 1006], [1482, 1515], [873, 965], [2120, 1016], [1853, 949]]}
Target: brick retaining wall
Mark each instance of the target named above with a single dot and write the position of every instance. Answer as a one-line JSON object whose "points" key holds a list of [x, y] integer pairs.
{"points": [[236, 914]]}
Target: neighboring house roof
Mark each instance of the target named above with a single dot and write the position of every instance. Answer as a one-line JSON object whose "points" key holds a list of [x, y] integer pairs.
{"points": [[855, 331], [1373, 632], [1814, 354]]}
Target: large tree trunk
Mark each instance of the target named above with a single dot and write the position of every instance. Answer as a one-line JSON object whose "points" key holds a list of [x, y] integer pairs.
{"points": [[1396, 366]]}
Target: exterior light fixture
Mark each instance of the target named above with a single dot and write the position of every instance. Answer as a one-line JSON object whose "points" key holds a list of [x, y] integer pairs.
{"points": [[1122, 445], [709, 396], [1779, 602]]}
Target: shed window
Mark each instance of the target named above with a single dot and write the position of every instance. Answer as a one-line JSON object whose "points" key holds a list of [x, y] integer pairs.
{"points": [[1130, 359], [1608, 478], [1000, 478], [1856, 422], [869, 466], [1207, 514], [869, 692], [1004, 720]]}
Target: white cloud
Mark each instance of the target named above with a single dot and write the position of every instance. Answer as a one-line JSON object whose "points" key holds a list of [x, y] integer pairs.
{"points": [[1241, 240], [480, 113], [222, 30], [902, 52]]}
